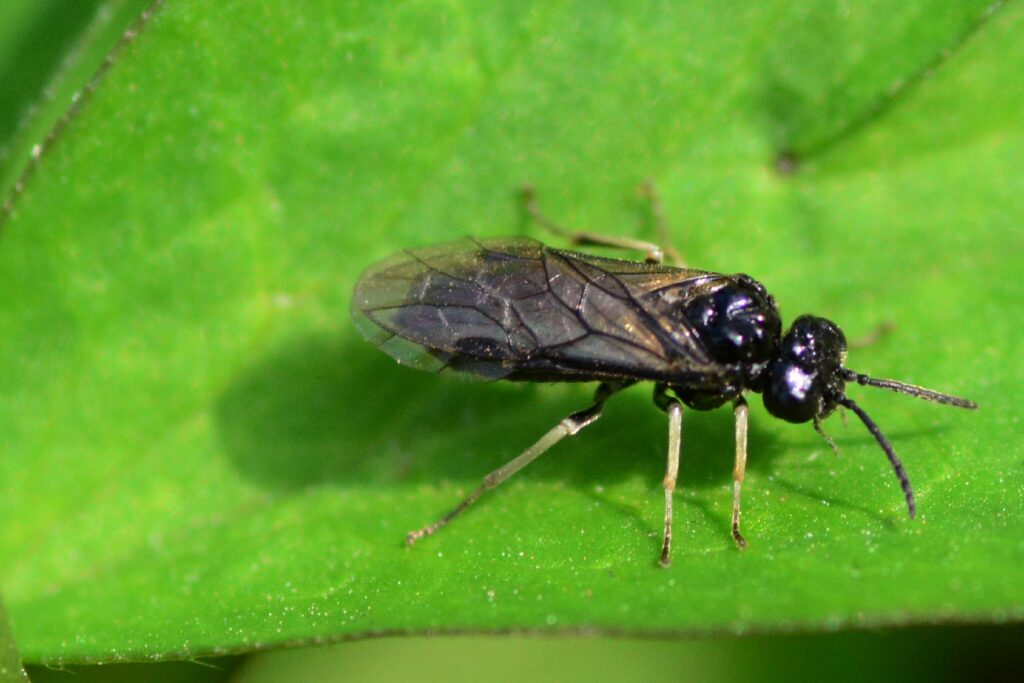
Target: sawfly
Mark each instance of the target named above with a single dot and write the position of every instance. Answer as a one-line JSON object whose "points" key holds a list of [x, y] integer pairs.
{"points": [[515, 309]]}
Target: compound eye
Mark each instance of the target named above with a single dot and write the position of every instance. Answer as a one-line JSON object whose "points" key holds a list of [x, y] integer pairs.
{"points": [[793, 393], [735, 324]]}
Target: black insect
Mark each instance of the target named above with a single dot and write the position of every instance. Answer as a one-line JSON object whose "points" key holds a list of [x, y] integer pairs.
{"points": [[518, 310]]}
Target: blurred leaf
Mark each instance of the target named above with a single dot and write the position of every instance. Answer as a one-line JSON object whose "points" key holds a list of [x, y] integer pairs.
{"points": [[48, 49], [202, 456], [11, 670], [919, 654]]}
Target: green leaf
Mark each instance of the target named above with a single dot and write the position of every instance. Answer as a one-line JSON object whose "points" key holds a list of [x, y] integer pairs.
{"points": [[202, 456]]}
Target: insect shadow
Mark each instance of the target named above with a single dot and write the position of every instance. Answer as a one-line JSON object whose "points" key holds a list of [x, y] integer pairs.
{"points": [[322, 410]]}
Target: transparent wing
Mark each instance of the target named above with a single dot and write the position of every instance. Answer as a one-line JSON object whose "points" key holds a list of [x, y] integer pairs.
{"points": [[515, 308], [661, 292], [449, 306]]}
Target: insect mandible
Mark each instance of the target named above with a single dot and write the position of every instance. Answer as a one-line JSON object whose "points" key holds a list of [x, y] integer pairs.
{"points": [[518, 310]]}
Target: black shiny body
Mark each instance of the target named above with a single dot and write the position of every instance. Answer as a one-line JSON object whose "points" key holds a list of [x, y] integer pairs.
{"points": [[516, 309]]}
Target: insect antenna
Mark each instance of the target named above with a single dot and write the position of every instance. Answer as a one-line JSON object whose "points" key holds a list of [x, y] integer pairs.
{"points": [[901, 474], [909, 390]]}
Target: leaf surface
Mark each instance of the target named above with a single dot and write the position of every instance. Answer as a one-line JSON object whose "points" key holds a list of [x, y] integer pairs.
{"points": [[202, 455]]}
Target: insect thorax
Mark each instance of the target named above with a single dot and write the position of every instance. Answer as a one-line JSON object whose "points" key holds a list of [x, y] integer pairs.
{"points": [[739, 326]]}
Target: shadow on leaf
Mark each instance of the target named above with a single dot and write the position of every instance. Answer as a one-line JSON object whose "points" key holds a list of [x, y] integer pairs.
{"points": [[332, 409]]}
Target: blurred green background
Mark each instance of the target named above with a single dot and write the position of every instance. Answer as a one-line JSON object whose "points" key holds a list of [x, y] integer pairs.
{"points": [[204, 459], [934, 654]]}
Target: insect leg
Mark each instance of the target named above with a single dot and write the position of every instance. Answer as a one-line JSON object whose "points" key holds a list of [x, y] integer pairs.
{"points": [[828, 439], [567, 427], [740, 412], [674, 409], [650, 193], [652, 252]]}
